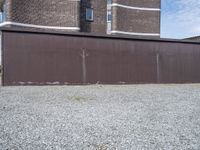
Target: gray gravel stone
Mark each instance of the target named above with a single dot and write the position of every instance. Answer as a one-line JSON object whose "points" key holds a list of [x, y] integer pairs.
{"points": [[137, 117]]}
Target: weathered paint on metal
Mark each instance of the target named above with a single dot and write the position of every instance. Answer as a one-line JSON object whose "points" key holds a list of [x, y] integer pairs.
{"points": [[71, 59]]}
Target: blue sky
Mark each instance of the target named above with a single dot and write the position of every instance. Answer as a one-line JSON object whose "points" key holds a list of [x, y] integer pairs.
{"points": [[180, 18]]}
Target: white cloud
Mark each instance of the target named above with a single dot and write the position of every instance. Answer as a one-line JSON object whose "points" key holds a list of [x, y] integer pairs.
{"points": [[185, 16], [196, 29]]}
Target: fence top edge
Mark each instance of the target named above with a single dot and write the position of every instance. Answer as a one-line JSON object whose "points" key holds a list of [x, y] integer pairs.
{"points": [[104, 36]]}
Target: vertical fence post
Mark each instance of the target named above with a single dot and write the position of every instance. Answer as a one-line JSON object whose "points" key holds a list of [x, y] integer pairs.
{"points": [[84, 72], [158, 67], [2, 60]]}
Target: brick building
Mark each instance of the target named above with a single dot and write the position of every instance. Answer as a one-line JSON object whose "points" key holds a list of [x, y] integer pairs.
{"points": [[136, 17], [42, 14], [194, 38], [130, 17]]}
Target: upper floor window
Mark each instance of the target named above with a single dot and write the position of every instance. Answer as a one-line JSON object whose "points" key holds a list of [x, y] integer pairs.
{"points": [[1, 16], [89, 14], [109, 1], [109, 16], [2, 12]]}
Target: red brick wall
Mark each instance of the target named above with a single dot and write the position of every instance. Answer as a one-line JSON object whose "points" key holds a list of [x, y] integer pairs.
{"points": [[136, 21], [98, 25], [66, 13], [60, 13]]}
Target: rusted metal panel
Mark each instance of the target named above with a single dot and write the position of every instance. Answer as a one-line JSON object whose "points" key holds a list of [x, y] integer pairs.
{"points": [[123, 61], [48, 59], [40, 60], [180, 63]]}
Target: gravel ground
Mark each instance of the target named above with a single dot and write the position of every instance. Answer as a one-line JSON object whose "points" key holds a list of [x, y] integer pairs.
{"points": [[132, 117]]}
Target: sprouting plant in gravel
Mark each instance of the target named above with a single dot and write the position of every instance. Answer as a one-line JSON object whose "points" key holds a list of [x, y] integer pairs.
{"points": [[77, 98]]}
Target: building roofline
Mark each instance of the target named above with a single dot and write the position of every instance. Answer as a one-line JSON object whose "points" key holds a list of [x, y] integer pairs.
{"points": [[192, 37]]}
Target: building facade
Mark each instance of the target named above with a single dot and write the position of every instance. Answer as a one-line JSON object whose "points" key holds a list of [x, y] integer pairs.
{"points": [[129, 17], [136, 17], [97, 10], [42, 14], [194, 38]]}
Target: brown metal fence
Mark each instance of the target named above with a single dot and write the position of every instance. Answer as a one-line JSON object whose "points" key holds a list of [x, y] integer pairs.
{"points": [[33, 58]]}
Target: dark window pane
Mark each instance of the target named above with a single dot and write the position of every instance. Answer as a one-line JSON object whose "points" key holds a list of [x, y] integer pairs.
{"points": [[89, 14], [109, 17], [109, 1]]}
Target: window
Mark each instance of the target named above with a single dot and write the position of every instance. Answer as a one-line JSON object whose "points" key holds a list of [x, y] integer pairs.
{"points": [[84, 1], [89, 14], [3, 14], [109, 16], [1, 17], [109, 1]]}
